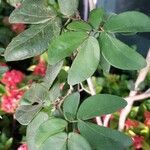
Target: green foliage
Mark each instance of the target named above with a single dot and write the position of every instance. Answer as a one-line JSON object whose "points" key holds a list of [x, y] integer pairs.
{"points": [[96, 18], [102, 104], [103, 138], [120, 51], [70, 106], [48, 129], [39, 14], [30, 43], [68, 7], [89, 55], [59, 48], [56, 29], [128, 22], [76, 141], [79, 26]]}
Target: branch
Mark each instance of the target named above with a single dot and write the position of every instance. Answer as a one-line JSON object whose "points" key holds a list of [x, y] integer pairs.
{"points": [[133, 94], [92, 4]]}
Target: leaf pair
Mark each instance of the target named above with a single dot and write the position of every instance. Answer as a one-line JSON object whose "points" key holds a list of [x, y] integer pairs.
{"points": [[114, 51], [49, 133], [93, 106], [62, 141], [87, 59], [99, 137]]}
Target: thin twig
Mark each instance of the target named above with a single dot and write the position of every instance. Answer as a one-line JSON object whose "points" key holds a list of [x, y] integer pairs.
{"points": [[133, 94], [93, 92], [106, 120], [84, 89]]}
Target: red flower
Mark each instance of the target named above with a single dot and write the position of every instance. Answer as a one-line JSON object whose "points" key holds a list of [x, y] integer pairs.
{"points": [[137, 142], [12, 78], [18, 27], [9, 102], [131, 123], [23, 147], [147, 118], [40, 69]]}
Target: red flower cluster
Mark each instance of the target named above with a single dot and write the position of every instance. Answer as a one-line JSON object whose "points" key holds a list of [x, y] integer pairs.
{"points": [[10, 100], [131, 124], [40, 69], [12, 78], [23, 147], [18, 27], [137, 142], [147, 118]]}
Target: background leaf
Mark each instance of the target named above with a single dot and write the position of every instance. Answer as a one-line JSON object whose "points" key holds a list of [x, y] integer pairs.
{"points": [[104, 138], [33, 41], [64, 45], [32, 129], [70, 106], [119, 54], [130, 21], [68, 7], [48, 129], [86, 61], [100, 104], [77, 142], [32, 12]]}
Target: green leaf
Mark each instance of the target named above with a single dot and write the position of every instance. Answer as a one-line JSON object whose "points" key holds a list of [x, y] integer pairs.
{"points": [[79, 26], [55, 142], [55, 92], [96, 17], [3, 69], [48, 129], [119, 54], [104, 64], [77, 142], [70, 106], [102, 138], [13, 2], [33, 41], [86, 61], [51, 74], [100, 104], [32, 12], [25, 113], [2, 50], [68, 7], [64, 45], [130, 21], [33, 127], [36, 94]]}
